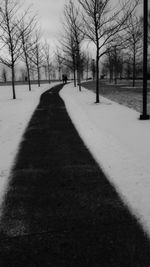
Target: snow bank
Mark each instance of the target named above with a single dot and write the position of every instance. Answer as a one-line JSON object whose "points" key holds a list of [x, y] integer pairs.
{"points": [[119, 142], [14, 117]]}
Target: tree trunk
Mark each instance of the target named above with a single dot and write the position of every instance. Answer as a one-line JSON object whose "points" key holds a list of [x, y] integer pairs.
{"points": [[29, 80], [59, 70], [87, 71], [110, 75], [115, 65], [49, 77], [13, 81], [78, 70], [38, 70], [74, 76], [74, 71], [28, 72], [133, 81], [115, 77], [79, 80], [97, 77]]}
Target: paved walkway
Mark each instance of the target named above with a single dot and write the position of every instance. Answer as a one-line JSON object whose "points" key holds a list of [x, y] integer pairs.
{"points": [[60, 210]]}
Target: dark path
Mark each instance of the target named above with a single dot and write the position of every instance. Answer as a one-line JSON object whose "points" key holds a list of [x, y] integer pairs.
{"points": [[60, 210]]}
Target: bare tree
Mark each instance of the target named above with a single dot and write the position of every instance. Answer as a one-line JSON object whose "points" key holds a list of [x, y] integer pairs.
{"points": [[115, 61], [93, 69], [26, 28], [128, 65], [36, 53], [75, 28], [59, 62], [32, 70], [10, 36], [102, 24], [149, 27], [23, 74], [68, 40], [108, 64], [69, 54], [4, 75], [45, 71], [133, 33], [47, 59], [87, 63]]}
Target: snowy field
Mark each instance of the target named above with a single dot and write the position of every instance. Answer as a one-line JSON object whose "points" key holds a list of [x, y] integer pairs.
{"points": [[122, 93], [119, 142], [14, 117]]}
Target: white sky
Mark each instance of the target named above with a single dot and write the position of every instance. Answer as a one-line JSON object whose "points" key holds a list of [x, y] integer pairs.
{"points": [[49, 14]]}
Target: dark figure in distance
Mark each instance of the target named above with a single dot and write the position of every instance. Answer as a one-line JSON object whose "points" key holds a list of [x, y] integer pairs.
{"points": [[64, 78]]}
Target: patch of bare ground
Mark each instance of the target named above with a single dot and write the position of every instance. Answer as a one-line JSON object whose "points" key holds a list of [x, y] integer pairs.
{"points": [[122, 93]]}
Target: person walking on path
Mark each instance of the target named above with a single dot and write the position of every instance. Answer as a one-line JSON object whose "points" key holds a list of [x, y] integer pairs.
{"points": [[64, 78], [60, 209]]}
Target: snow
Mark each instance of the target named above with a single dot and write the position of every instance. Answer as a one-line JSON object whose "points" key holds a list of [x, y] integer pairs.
{"points": [[119, 142], [14, 117], [117, 139]]}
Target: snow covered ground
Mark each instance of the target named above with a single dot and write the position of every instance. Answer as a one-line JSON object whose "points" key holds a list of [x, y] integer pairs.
{"points": [[119, 142], [14, 117]]}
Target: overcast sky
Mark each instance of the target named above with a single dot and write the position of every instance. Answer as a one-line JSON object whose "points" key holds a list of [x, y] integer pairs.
{"points": [[49, 14]]}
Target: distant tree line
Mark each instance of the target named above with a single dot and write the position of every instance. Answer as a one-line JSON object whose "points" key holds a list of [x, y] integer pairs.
{"points": [[115, 30], [20, 41]]}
